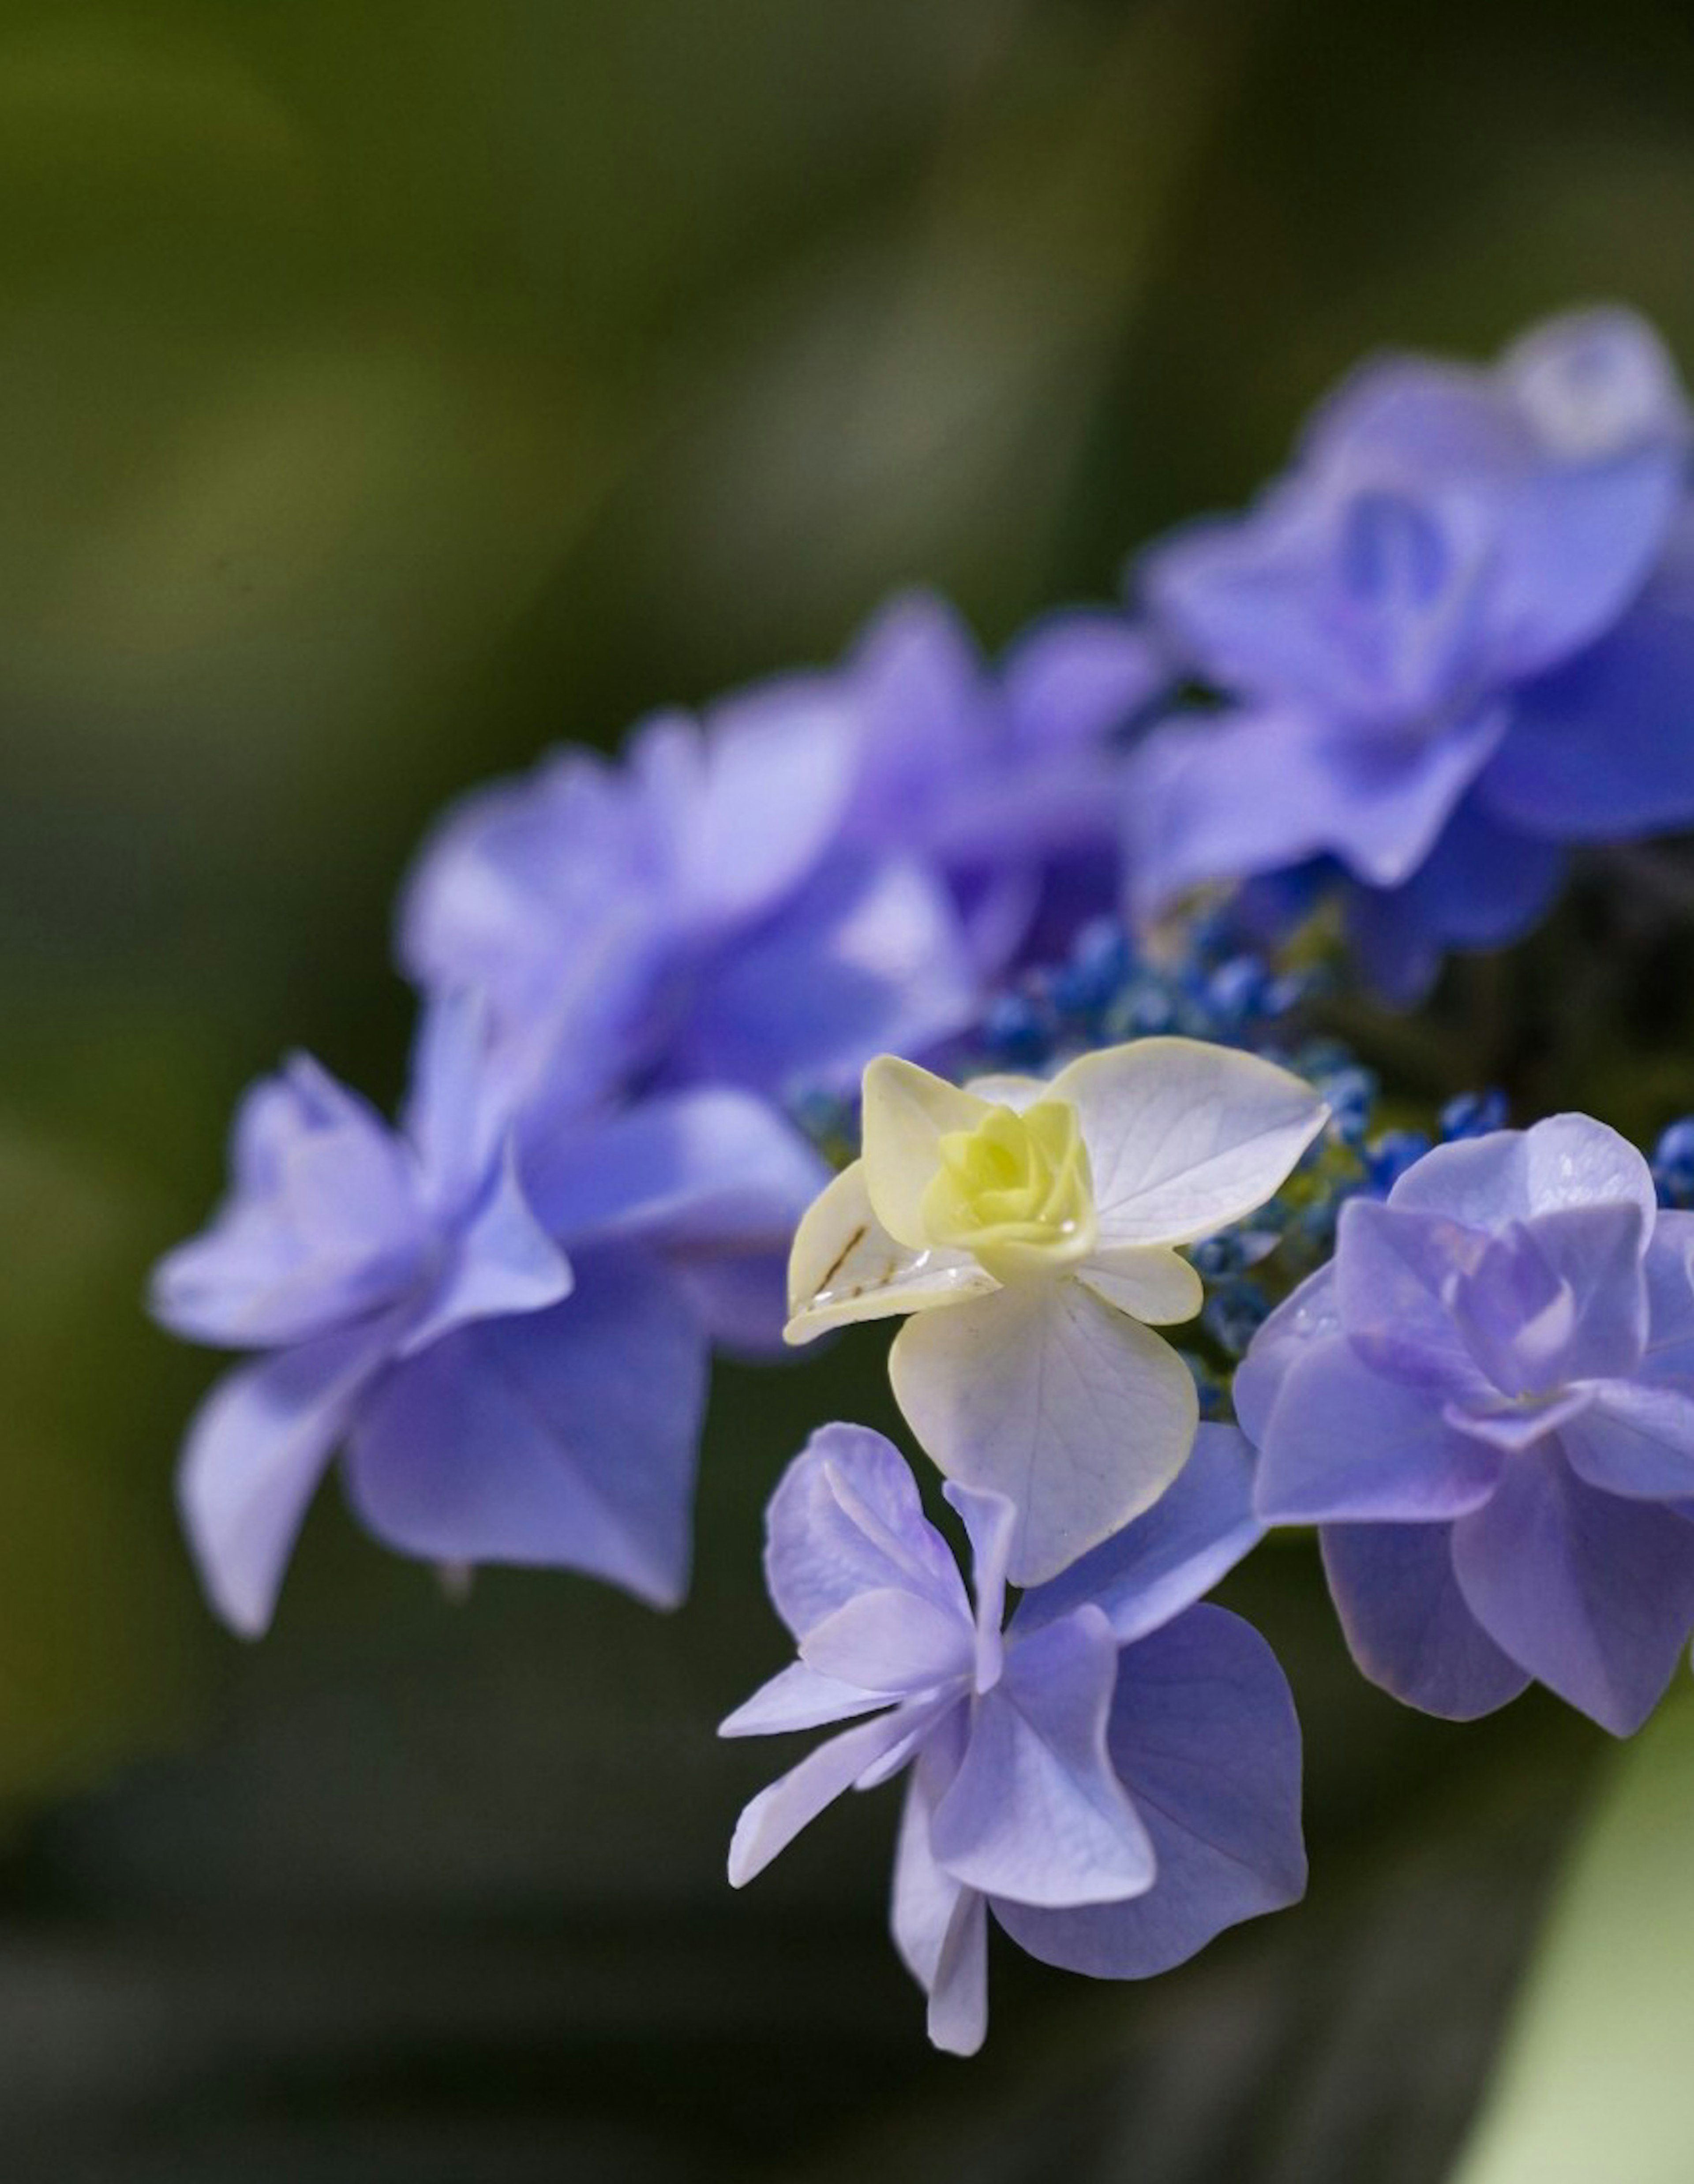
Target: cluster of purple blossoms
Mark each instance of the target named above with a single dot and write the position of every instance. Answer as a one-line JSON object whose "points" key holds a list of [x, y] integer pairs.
{"points": [[503, 1312], [1456, 639]]}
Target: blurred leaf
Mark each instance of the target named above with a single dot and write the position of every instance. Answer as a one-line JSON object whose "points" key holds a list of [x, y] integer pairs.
{"points": [[1595, 2081]]}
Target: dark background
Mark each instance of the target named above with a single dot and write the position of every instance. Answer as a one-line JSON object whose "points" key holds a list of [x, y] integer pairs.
{"points": [[390, 388]]}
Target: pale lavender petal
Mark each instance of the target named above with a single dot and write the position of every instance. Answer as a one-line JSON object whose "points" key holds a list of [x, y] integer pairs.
{"points": [[1671, 1298], [925, 1894], [255, 1453], [1163, 1562], [958, 1996], [1261, 790], [566, 1438], [798, 1697], [1204, 1738], [990, 1522], [776, 1816], [868, 959], [890, 1641], [1035, 1813], [683, 1171], [1592, 1594], [1077, 676], [1596, 750], [501, 1262], [453, 1119], [1343, 1444], [1310, 1314], [1634, 1438], [1392, 1269], [845, 1518], [1512, 1175], [1407, 1622]]}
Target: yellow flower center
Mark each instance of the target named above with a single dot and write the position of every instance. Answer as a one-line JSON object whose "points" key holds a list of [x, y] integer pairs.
{"points": [[1015, 1191]]}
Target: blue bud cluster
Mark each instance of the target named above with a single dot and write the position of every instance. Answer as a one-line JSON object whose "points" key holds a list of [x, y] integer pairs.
{"points": [[1673, 1164], [1203, 984]]}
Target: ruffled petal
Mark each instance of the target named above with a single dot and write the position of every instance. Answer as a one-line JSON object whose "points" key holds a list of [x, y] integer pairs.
{"points": [[906, 1112], [1512, 1175], [1634, 1438], [566, 1438], [1167, 1558], [1407, 1622], [1035, 1813], [776, 1816], [1204, 1738], [846, 1520], [1592, 1594], [254, 1455], [1343, 1444]]}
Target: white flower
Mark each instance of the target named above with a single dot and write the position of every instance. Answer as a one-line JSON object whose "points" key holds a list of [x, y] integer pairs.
{"points": [[1031, 1228]]}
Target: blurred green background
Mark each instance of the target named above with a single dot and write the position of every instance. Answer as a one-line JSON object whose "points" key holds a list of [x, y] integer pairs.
{"points": [[389, 387]]}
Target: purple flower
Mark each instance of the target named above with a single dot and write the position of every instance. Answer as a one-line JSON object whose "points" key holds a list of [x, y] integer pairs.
{"points": [[1487, 1401], [1005, 784], [822, 870], [1116, 1775], [1457, 637], [499, 1401]]}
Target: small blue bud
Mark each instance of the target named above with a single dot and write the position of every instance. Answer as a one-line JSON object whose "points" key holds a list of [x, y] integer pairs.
{"points": [[1017, 1030], [1673, 1163], [1474, 1115], [1387, 1158], [1234, 1314]]}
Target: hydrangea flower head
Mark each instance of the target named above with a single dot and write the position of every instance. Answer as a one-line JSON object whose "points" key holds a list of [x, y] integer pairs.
{"points": [[1116, 1775], [511, 1342], [1030, 1229], [1487, 1401], [1455, 638]]}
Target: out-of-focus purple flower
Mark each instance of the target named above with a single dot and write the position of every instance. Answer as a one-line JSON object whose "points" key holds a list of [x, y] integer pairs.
{"points": [[823, 869], [1116, 1776], [1487, 1401], [499, 1401], [1457, 637]]}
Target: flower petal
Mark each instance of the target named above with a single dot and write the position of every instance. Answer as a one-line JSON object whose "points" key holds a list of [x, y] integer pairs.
{"points": [[1183, 1138], [846, 1519], [1204, 1738], [1346, 1444], [1148, 1282], [906, 1112], [503, 1261], [1312, 1314], [1163, 1561], [1512, 1175], [254, 1455], [1407, 1622], [798, 1697], [845, 1266], [1592, 1594], [891, 1640], [566, 1438], [1035, 1814], [770, 1823], [1076, 1414], [958, 1996], [1634, 1438], [685, 1171]]}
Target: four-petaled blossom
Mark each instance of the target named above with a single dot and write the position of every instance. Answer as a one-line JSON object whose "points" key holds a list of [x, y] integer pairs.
{"points": [[1456, 638], [1031, 1228], [1487, 1400], [498, 1400], [1116, 1776]]}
